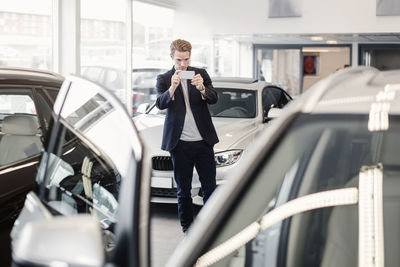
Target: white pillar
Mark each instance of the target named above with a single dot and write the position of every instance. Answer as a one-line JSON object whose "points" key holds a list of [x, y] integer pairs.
{"points": [[66, 36]]}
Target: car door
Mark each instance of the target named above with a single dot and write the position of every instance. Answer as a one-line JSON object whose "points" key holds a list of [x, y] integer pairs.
{"points": [[273, 97], [94, 168]]}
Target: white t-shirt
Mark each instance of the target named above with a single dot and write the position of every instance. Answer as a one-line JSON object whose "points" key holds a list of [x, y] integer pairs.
{"points": [[190, 131]]}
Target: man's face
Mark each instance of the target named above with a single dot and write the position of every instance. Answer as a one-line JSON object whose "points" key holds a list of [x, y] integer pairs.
{"points": [[181, 60]]}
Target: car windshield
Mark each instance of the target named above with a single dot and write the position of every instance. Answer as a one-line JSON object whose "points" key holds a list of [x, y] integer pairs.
{"points": [[232, 103]]}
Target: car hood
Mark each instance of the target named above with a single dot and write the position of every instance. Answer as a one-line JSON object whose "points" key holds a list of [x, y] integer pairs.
{"points": [[230, 132]]}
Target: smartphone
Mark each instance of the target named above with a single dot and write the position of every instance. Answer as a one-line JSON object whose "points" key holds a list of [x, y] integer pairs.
{"points": [[186, 75]]}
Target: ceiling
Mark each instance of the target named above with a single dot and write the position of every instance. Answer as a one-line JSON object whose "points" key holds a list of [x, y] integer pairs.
{"points": [[318, 39]]}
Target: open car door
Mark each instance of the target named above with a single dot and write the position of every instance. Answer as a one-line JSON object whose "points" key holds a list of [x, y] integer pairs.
{"points": [[90, 206]]}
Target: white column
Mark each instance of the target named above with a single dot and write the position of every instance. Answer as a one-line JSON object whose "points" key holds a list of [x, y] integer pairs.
{"points": [[66, 36]]}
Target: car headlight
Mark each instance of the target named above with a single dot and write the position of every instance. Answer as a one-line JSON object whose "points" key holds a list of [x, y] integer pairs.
{"points": [[228, 157]]}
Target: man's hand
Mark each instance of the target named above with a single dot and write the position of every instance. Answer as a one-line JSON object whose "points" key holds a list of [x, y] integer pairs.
{"points": [[175, 79], [198, 82]]}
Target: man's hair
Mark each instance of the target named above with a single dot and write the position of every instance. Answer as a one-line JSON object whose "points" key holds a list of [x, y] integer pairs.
{"points": [[181, 46]]}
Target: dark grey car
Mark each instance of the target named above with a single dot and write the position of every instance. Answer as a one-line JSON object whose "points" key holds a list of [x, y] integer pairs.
{"points": [[26, 100]]}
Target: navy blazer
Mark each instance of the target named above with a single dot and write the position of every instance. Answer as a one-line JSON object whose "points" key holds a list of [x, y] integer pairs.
{"points": [[176, 109]]}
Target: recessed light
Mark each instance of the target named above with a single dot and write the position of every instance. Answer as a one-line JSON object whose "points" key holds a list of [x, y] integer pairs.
{"points": [[317, 38], [331, 42]]}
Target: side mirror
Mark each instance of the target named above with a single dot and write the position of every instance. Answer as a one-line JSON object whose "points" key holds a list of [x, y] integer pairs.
{"points": [[142, 107], [272, 114], [70, 241]]}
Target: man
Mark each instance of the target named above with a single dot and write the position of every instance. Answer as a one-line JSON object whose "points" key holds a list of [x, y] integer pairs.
{"points": [[189, 134]]}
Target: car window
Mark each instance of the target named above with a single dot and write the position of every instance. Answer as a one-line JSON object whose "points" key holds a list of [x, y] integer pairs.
{"points": [[144, 86], [273, 97], [16, 103], [81, 180], [336, 152], [89, 113], [85, 161], [234, 103], [19, 126], [52, 94], [45, 103]]}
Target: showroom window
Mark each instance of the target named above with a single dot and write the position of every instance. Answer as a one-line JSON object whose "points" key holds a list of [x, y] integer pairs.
{"points": [[297, 67], [103, 42], [232, 58], [26, 30], [152, 35]]}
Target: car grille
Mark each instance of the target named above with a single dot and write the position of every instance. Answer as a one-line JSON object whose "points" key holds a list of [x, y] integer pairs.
{"points": [[162, 163], [163, 192]]}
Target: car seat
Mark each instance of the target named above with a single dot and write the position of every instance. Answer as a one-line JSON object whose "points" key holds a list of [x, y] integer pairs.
{"points": [[20, 138]]}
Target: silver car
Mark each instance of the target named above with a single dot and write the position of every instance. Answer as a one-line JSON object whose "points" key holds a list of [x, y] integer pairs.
{"points": [[239, 115], [320, 187]]}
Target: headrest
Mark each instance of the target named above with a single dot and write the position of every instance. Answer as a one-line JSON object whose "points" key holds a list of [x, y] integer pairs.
{"points": [[20, 125], [225, 98]]}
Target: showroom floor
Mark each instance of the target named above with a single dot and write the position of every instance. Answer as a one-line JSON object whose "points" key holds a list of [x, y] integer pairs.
{"points": [[165, 232]]}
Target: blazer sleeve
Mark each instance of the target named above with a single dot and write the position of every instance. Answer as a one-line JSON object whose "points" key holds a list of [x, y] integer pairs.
{"points": [[164, 100], [211, 95]]}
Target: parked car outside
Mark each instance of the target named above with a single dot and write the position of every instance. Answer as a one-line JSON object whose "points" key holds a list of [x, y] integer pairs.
{"points": [[320, 186], [92, 161], [26, 100], [143, 81], [240, 113]]}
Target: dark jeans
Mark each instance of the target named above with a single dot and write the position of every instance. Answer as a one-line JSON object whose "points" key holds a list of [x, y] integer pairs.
{"points": [[185, 156]]}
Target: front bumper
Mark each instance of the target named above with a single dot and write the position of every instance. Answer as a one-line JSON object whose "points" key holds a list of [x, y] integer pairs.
{"points": [[163, 185]]}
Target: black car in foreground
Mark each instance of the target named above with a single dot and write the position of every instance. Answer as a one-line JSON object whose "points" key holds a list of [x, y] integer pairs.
{"points": [[26, 101], [319, 187]]}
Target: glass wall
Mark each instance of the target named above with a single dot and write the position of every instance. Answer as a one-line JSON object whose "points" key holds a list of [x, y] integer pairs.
{"points": [[103, 42], [26, 33], [152, 34], [380, 56], [280, 66], [232, 58], [297, 67]]}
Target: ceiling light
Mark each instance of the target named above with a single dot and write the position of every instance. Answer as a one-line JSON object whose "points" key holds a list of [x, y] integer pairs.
{"points": [[317, 38], [331, 42]]}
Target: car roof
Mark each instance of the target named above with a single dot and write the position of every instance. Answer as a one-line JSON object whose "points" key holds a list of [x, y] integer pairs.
{"points": [[240, 83], [354, 90], [13, 75], [234, 80]]}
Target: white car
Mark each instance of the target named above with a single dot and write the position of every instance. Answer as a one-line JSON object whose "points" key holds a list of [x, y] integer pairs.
{"points": [[239, 115]]}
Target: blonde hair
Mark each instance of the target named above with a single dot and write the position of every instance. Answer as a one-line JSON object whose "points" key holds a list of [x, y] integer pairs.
{"points": [[181, 46]]}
